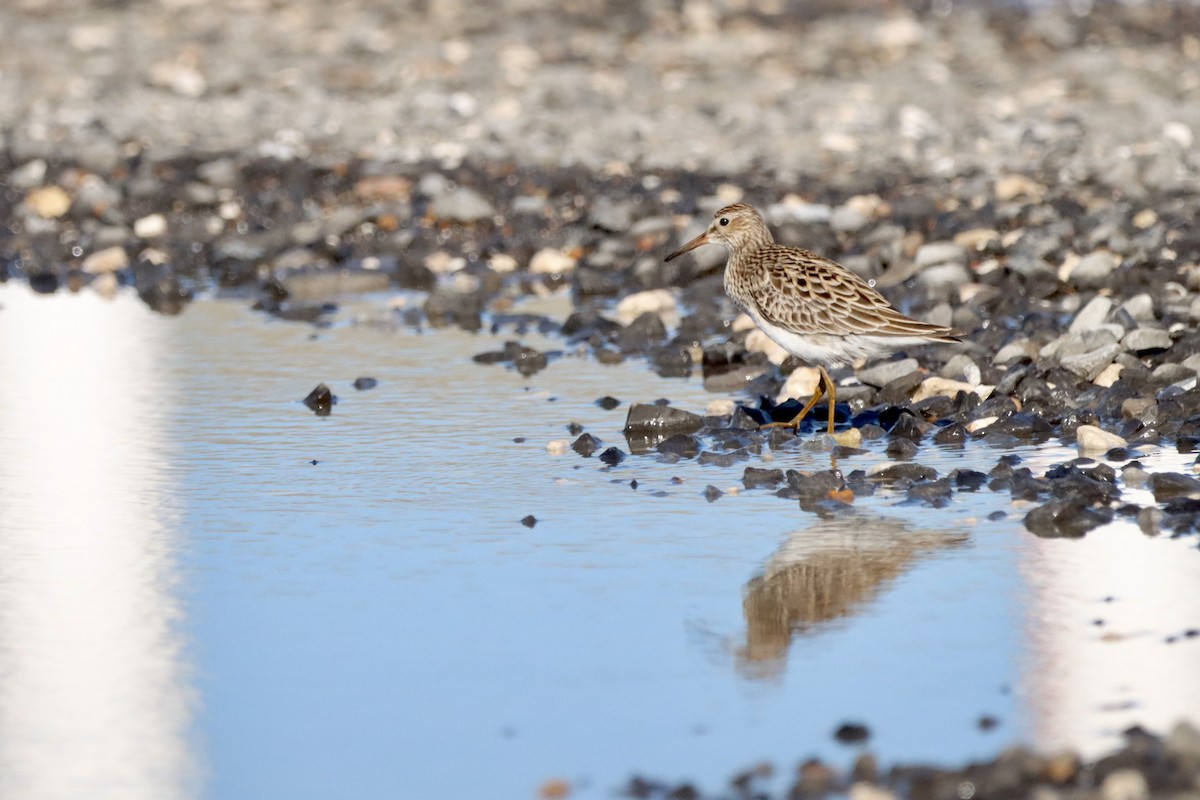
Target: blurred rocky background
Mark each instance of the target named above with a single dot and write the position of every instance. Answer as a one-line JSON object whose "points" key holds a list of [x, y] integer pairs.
{"points": [[1102, 92]]}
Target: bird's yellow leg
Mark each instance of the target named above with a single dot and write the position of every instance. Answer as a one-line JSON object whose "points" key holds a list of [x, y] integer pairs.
{"points": [[795, 423], [825, 379]]}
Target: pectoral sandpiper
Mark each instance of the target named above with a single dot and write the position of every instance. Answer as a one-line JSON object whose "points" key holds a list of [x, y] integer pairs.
{"points": [[814, 308]]}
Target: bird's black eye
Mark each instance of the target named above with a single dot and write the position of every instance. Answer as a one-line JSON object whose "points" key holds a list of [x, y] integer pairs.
{"points": [[724, 221]]}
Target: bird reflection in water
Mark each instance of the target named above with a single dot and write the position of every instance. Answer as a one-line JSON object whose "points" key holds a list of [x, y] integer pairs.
{"points": [[831, 570]]}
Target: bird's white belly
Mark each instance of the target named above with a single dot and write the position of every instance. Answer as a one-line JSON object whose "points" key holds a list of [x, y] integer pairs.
{"points": [[831, 350]]}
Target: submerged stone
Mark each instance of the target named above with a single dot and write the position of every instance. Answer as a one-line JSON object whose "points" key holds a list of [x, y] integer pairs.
{"points": [[755, 477], [1066, 518]]}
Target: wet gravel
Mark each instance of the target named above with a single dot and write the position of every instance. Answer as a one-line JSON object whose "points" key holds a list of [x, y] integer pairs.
{"points": [[1148, 765]]}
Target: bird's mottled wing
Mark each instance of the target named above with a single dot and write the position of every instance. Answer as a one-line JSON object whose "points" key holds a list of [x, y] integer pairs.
{"points": [[806, 293]]}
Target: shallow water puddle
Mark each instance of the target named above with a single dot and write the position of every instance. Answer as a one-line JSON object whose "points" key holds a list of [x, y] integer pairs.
{"points": [[190, 606]]}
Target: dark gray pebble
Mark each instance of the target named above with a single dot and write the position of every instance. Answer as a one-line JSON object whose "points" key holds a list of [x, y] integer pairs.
{"points": [[526, 360], [681, 445], [362, 384], [642, 334], [852, 733], [812, 489], [748, 419], [320, 400], [906, 470], [672, 361], [608, 403], [1096, 486], [1022, 425], [1065, 518], [902, 449], [932, 493], [969, 480], [711, 493], [587, 323], [644, 420], [444, 308], [871, 432], [529, 521], [906, 426], [709, 458], [953, 434], [586, 445], [612, 456], [755, 477], [900, 390], [1169, 485]]}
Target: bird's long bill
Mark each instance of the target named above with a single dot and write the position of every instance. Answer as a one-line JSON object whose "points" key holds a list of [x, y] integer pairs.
{"points": [[692, 245]]}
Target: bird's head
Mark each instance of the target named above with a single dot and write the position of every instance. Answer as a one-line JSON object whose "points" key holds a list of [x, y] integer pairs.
{"points": [[735, 227]]}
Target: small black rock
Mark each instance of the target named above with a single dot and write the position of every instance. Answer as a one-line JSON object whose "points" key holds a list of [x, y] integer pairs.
{"points": [[913, 472], [362, 384], [320, 400], [906, 427], [644, 419], [748, 419], [682, 445], [586, 445], [755, 477], [969, 479], [1169, 485], [901, 449], [1065, 518], [852, 733], [955, 433], [612, 456], [608, 403], [529, 520], [933, 493]]}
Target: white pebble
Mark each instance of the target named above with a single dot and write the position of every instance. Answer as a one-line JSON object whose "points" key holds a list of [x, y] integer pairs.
{"points": [[558, 447], [759, 342], [549, 261], [800, 384], [1125, 784], [150, 227], [110, 259], [945, 387], [720, 408], [1109, 375], [633, 306], [502, 262], [1089, 437]]}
